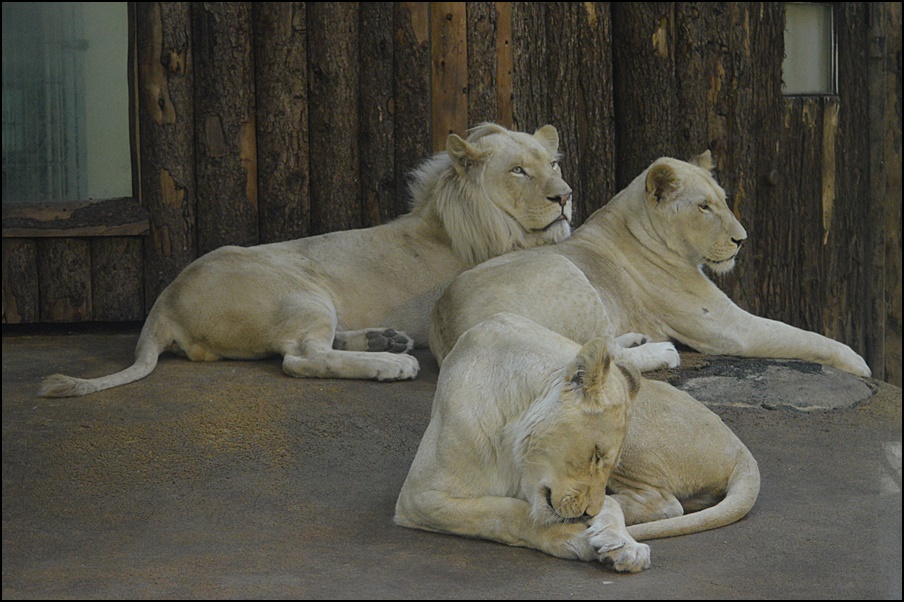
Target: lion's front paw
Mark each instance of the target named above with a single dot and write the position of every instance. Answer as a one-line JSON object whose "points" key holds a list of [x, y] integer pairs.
{"points": [[609, 537], [850, 361], [633, 557]]}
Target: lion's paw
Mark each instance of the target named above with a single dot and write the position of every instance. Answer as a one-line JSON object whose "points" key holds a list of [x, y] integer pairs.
{"points": [[632, 339], [397, 367], [613, 545], [652, 356], [851, 361], [389, 340], [633, 557], [373, 339]]}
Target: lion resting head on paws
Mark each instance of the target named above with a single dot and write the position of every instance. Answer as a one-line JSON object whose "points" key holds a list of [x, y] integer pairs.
{"points": [[520, 447]]}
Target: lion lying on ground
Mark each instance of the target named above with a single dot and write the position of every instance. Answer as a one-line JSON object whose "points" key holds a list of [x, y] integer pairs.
{"points": [[332, 304], [636, 266], [529, 428]]}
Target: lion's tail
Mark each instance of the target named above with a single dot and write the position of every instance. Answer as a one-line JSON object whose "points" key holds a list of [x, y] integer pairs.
{"points": [[742, 492], [151, 344]]}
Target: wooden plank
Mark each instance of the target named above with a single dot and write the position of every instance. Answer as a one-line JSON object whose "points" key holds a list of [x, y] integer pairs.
{"points": [[281, 72], [20, 281], [449, 51], [482, 41], [334, 83], [167, 140], [750, 91], [890, 190], [64, 279], [411, 96], [645, 89], [587, 134], [116, 279], [847, 243], [226, 142], [377, 137], [531, 86], [504, 66]]}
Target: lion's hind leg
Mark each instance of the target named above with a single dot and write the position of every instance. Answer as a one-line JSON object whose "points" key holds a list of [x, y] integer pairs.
{"points": [[645, 505], [373, 339]]}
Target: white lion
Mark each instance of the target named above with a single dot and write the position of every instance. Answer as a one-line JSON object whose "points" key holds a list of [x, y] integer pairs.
{"points": [[528, 429], [332, 304], [636, 266]]}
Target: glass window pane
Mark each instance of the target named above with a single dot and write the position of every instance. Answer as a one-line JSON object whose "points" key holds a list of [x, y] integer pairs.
{"points": [[65, 101], [809, 66]]}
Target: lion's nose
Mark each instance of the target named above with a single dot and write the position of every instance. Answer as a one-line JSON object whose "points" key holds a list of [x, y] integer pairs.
{"points": [[738, 241], [561, 199]]}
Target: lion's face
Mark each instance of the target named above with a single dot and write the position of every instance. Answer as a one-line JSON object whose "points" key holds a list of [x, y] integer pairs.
{"points": [[571, 439], [508, 190], [525, 173], [691, 213]]}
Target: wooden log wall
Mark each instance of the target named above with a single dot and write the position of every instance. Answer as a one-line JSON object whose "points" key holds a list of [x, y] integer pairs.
{"points": [[267, 121]]}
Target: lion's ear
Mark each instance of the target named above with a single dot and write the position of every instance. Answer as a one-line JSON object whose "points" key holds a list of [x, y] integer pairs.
{"points": [[588, 372], [662, 181], [703, 161], [548, 136], [464, 155], [632, 377]]}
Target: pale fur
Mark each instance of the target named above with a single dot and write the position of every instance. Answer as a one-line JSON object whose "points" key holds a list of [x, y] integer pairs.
{"points": [[331, 304], [469, 478], [520, 445], [636, 266]]}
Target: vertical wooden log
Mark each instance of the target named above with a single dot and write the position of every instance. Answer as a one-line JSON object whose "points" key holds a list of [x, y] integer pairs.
{"points": [[64, 271], [482, 68], [530, 85], [752, 89], [504, 66], [849, 256], [875, 335], [890, 192], [334, 83], [793, 259], [226, 141], [116, 279], [645, 84], [167, 140], [582, 89], [413, 138], [281, 84], [20, 281], [449, 49], [377, 140]]}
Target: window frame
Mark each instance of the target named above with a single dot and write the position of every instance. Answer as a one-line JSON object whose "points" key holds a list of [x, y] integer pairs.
{"points": [[125, 216]]}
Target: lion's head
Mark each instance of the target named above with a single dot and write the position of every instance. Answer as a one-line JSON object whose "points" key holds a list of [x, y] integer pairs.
{"points": [[688, 210], [496, 191], [569, 441]]}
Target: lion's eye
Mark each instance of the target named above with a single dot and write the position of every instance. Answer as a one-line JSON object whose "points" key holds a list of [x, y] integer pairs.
{"points": [[518, 170], [705, 208]]}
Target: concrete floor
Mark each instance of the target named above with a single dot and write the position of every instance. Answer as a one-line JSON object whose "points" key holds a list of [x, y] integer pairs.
{"points": [[231, 480]]}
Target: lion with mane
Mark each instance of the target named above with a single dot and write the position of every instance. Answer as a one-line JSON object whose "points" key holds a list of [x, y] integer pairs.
{"points": [[351, 304]]}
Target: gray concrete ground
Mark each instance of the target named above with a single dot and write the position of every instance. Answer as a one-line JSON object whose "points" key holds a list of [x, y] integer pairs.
{"points": [[231, 480]]}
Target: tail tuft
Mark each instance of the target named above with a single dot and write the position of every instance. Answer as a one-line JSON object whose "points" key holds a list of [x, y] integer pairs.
{"points": [[60, 385]]}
